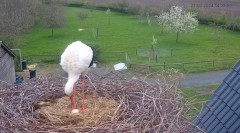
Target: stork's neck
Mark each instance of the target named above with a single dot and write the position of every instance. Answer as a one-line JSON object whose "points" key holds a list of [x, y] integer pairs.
{"points": [[70, 83]]}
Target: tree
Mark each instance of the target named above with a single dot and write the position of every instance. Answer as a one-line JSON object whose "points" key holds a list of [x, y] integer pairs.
{"points": [[162, 20], [90, 5], [217, 36], [178, 21], [108, 12], [122, 5], [15, 17], [82, 15], [153, 43], [52, 15]]}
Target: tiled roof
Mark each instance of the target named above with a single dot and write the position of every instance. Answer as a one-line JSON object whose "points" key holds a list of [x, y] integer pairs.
{"points": [[221, 113]]}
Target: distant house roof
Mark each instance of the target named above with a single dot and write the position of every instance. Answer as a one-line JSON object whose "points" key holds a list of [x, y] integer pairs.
{"points": [[221, 113], [2, 45]]}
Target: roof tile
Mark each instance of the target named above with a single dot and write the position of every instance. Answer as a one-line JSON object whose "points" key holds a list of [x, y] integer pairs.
{"points": [[221, 113]]}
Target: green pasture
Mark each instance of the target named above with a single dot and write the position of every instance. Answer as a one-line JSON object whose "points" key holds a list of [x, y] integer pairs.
{"points": [[123, 33]]}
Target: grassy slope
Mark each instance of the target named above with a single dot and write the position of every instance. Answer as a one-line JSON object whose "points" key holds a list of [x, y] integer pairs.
{"points": [[126, 33]]}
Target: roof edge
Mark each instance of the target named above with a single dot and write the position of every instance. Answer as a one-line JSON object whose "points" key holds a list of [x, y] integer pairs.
{"points": [[7, 49]]}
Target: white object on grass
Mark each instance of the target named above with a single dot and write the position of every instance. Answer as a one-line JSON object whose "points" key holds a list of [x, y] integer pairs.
{"points": [[120, 66], [80, 29]]}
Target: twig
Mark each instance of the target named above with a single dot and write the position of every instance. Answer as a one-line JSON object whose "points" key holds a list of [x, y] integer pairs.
{"points": [[143, 107]]}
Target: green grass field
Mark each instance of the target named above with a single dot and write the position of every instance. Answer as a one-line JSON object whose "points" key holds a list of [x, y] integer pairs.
{"points": [[125, 33]]}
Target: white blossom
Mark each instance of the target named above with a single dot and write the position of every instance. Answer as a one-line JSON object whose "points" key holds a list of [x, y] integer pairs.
{"points": [[178, 21]]}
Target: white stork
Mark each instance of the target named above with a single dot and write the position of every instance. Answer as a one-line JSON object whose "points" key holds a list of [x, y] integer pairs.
{"points": [[75, 60]]}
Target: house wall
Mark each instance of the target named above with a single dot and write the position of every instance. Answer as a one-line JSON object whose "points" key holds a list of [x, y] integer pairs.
{"points": [[7, 68]]}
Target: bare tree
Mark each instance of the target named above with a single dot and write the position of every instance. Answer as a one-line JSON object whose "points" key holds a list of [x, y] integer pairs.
{"points": [[90, 5], [233, 22], [218, 37], [82, 15], [122, 5], [15, 17], [52, 14]]}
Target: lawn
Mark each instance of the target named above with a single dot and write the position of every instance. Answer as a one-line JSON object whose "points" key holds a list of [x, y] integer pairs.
{"points": [[126, 33]]}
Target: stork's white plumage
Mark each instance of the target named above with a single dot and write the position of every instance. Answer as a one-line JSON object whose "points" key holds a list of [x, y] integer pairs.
{"points": [[75, 60]]}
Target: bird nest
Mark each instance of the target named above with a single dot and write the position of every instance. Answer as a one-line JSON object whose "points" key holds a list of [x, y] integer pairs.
{"points": [[96, 110], [116, 103]]}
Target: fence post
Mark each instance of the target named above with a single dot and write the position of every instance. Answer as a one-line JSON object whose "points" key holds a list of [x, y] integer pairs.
{"points": [[171, 51], [57, 57], [97, 33], [156, 59], [136, 52], [126, 57], [183, 66], [164, 65], [213, 63]]}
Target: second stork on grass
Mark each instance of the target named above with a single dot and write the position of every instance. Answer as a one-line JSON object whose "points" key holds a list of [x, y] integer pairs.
{"points": [[76, 60]]}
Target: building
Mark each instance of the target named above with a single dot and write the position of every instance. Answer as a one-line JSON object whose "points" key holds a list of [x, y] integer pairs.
{"points": [[7, 67], [221, 113]]}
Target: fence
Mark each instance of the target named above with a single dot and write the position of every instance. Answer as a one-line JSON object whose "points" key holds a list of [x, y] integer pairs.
{"points": [[109, 56], [187, 67], [17, 59], [114, 57], [143, 52], [43, 58], [154, 54]]}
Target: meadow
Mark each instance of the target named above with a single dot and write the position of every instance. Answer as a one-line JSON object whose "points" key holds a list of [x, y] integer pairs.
{"points": [[224, 12], [119, 33]]}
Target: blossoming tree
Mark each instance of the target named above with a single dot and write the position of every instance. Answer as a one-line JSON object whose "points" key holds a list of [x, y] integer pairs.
{"points": [[179, 21]]}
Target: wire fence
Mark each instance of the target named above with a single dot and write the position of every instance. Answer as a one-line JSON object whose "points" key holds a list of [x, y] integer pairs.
{"points": [[43, 58], [187, 67], [154, 54], [115, 57], [118, 56], [148, 52], [17, 59]]}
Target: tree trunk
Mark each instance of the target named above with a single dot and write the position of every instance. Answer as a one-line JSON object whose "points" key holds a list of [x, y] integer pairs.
{"points": [[177, 37]]}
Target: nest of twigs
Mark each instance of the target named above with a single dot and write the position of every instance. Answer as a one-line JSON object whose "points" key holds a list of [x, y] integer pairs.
{"points": [[96, 110], [141, 106]]}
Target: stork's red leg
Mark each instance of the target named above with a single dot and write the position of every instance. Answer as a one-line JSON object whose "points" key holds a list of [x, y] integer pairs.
{"points": [[73, 98], [83, 85]]}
